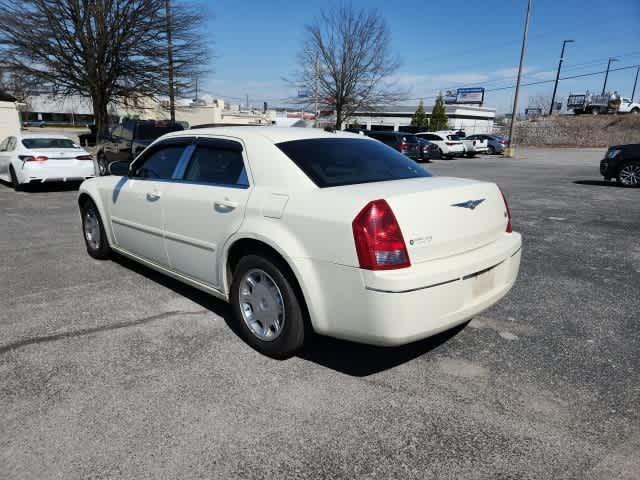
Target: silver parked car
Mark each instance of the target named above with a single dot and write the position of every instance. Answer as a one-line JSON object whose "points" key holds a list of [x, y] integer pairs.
{"points": [[496, 143]]}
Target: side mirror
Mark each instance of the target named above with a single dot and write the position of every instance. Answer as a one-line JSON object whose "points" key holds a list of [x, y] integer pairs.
{"points": [[120, 169]]}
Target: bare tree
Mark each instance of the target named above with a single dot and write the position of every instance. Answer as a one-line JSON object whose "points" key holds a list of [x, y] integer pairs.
{"points": [[107, 50], [540, 101], [346, 61]]}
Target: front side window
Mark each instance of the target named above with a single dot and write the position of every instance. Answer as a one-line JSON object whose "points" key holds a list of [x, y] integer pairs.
{"points": [[11, 145], [160, 163], [217, 165], [332, 162], [3, 145]]}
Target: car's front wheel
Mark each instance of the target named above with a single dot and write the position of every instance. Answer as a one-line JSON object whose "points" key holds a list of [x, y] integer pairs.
{"points": [[492, 150], [629, 175], [266, 306], [93, 232]]}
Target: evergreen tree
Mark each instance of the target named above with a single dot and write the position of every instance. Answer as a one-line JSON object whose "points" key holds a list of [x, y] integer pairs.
{"points": [[439, 119], [420, 118]]}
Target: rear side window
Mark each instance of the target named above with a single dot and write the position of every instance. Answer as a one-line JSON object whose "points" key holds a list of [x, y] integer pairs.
{"points": [[332, 162], [219, 166], [410, 139]]}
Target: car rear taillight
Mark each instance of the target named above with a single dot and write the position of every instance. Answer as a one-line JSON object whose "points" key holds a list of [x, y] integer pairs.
{"points": [[451, 143], [30, 158], [378, 238], [404, 147], [84, 157], [507, 214]]}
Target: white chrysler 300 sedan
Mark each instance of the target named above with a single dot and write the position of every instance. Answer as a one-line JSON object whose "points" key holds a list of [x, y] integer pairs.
{"points": [[303, 230], [39, 158]]}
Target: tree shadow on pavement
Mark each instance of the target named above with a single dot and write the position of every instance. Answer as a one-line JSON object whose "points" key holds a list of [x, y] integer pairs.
{"points": [[360, 360], [598, 183]]}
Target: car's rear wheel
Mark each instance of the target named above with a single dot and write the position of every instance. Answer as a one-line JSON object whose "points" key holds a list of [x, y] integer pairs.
{"points": [[491, 150], [93, 232], [266, 307], [629, 175], [103, 166], [635, 111], [17, 186]]}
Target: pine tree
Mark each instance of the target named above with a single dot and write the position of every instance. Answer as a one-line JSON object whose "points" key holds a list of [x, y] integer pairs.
{"points": [[439, 119], [420, 118]]}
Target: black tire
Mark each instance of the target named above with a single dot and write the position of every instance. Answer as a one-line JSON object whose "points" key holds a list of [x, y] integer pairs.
{"points": [[294, 330], [595, 111], [470, 155], [103, 166], [99, 249], [17, 186], [491, 150], [635, 111], [629, 175]]}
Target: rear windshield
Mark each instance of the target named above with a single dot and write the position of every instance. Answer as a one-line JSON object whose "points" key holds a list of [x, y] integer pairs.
{"points": [[44, 143], [151, 131], [332, 162]]}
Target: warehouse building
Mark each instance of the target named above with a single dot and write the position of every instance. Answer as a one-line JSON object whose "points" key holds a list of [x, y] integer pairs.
{"points": [[470, 118]]}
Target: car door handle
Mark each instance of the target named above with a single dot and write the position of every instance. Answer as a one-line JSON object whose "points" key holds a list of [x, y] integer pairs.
{"points": [[226, 203], [153, 196]]}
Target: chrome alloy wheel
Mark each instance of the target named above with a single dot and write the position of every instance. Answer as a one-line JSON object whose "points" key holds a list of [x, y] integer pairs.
{"points": [[92, 228], [630, 175], [261, 305]]}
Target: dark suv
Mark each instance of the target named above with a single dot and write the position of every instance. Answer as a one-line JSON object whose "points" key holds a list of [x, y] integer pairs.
{"points": [[622, 162], [127, 139], [405, 143]]}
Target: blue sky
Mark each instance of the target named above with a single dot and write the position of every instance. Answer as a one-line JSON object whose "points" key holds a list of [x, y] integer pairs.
{"points": [[442, 44]]}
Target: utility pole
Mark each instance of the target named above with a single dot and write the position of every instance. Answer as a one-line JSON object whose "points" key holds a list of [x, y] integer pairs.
{"points": [[172, 96], [606, 75], [510, 151], [247, 95], [555, 87], [633, 94]]}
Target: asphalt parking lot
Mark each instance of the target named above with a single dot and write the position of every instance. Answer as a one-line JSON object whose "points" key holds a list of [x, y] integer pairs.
{"points": [[108, 370]]}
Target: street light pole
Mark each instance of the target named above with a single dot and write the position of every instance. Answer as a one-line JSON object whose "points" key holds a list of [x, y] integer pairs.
{"points": [[555, 87], [606, 75], [509, 151], [633, 94], [172, 93]]}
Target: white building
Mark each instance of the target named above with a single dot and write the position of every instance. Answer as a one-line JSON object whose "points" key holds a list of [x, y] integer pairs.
{"points": [[470, 118]]}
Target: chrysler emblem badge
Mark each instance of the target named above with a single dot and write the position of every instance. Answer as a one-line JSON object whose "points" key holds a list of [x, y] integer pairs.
{"points": [[470, 204]]}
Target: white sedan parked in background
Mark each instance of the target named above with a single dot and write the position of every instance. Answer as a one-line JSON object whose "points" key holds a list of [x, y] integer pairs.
{"points": [[448, 144], [303, 230], [43, 158]]}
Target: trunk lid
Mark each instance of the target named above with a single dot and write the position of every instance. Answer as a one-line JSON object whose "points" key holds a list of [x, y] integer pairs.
{"points": [[439, 216], [58, 153]]}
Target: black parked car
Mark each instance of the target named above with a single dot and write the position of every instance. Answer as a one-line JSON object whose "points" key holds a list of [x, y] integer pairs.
{"points": [[128, 139], [622, 162], [405, 143]]}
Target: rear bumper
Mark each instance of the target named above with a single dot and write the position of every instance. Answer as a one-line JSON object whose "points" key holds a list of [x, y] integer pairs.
{"points": [[401, 306], [40, 173]]}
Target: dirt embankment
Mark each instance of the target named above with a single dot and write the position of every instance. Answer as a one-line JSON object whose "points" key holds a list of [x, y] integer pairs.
{"points": [[579, 131]]}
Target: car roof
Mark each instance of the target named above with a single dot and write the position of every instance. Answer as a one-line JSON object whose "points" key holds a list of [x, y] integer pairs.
{"points": [[272, 134]]}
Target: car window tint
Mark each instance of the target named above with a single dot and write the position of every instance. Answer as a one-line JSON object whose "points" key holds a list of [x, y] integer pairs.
{"points": [[11, 144], [161, 163], [43, 143], [210, 164], [331, 162], [3, 145]]}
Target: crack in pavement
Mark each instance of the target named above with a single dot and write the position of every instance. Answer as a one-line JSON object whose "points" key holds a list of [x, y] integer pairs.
{"points": [[88, 331]]}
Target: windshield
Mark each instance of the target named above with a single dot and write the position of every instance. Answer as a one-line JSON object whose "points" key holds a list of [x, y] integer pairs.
{"points": [[44, 143], [151, 131], [332, 162]]}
